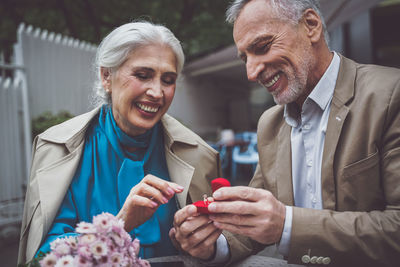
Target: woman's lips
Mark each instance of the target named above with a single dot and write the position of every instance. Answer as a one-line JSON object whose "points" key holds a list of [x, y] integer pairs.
{"points": [[148, 110]]}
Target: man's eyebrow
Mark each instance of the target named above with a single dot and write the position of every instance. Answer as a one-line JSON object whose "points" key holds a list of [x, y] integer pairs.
{"points": [[254, 43], [258, 40]]}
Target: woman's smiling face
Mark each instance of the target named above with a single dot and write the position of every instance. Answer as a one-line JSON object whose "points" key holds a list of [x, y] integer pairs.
{"points": [[142, 88]]}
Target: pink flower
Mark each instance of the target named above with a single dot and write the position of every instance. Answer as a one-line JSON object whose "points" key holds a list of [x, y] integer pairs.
{"points": [[85, 228], [49, 261], [103, 222], [101, 243], [62, 249], [87, 239], [98, 249], [65, 261], [83, 262]]}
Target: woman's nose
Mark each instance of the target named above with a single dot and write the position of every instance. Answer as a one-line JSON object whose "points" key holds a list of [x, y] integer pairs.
{"points": [[155, 90]]}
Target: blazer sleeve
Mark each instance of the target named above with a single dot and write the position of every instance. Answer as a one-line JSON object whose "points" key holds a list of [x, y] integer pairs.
{"points": [[241, 246], [362, 238]]}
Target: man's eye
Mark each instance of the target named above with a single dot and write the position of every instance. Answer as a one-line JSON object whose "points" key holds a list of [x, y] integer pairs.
{"points": [[262, 49]]}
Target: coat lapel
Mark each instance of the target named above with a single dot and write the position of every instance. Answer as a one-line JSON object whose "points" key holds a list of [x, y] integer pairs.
{"points": [[181, 173], [344, 91], [52, 191], [283, 167]]}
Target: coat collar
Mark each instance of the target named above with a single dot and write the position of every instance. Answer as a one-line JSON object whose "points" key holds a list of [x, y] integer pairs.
{"points": [[71, 132]]}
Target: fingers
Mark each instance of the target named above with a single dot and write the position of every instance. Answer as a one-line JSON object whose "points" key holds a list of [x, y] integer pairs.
{"points": [[152, 193], [168, 189], [143, 202], [236, 229], [238, 193], [233, 207], [235, 219], [202, 244], [183, 214], [172, 233], [199, 240]]}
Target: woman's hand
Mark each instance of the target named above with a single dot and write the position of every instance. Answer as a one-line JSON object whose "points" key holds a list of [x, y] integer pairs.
{"points": [[144, 199]]}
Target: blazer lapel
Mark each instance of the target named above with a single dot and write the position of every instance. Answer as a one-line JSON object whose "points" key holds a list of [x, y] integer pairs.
{"points": [[344, 91], [283, 167]]}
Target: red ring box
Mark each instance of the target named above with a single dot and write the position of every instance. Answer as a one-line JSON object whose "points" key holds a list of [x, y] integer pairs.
{"points": [[202, 205]]}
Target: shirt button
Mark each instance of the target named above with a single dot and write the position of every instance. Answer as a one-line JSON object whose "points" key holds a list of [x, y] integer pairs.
{"points": [[314, 200], [305, 259], [309, 163], [307, 126], [320, 260], [326, 261], [313, 259]]}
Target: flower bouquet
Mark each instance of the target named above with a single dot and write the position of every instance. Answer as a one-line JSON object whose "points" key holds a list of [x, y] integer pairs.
{"points": [[101, 243]]}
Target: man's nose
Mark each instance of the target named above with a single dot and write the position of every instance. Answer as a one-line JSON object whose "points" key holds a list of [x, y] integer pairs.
{"points": [[253, 67]]}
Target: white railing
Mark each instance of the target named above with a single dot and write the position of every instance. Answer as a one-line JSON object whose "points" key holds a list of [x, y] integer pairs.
{"points": [[50, 72], [58, 68], [13, 147]]}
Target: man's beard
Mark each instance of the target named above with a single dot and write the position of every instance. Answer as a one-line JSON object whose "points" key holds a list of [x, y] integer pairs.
{"points": [[297, 82]]}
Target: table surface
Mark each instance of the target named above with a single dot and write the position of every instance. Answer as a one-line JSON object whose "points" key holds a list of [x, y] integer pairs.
{"points": [[253, 261]]}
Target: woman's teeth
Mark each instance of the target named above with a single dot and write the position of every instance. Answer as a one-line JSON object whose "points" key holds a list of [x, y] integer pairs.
{"points": [[147, 108], [273, 81]]}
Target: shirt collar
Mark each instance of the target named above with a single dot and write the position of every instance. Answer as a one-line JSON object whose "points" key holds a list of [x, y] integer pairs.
{"points": [[321, 94]]}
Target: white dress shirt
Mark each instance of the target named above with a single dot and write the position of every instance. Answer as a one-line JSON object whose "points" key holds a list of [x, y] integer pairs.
{"points": [[307, 144]]}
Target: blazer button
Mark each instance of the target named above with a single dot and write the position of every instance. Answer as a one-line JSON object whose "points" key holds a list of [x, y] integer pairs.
{"points": [[313, 259], [305, 259], [319, 260], [326, 261]]}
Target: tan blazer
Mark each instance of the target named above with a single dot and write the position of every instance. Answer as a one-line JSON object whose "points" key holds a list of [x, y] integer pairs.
{"points": [[56, 155], [360, 221]]}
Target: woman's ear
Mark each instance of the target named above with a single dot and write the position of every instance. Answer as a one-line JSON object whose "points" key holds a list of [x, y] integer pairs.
{"points": [[106, 78], [313, 25]]}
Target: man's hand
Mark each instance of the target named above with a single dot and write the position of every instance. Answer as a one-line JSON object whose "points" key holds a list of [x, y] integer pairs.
{"points": [[194, 233], [248, 211]]}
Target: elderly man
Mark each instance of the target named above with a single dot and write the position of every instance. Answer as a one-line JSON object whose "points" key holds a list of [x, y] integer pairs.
{"points": [[327, 187]]}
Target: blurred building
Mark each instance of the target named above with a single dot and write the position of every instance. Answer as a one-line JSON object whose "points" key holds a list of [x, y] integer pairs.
{"points": [[215, 94]]}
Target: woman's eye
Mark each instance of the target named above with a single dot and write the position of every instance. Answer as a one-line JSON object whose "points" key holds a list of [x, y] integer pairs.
{"points": [[142, 76], [169, 80]]}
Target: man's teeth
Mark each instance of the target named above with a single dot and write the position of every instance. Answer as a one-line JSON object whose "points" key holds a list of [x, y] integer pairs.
{"points": [[147, 108], [273, 81]]}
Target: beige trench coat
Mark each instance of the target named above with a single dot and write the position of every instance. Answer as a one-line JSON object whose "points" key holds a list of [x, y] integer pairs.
{"points": [[56, 155]]}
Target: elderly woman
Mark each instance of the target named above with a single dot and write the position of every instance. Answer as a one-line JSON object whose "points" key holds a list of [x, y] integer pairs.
{"points": [[126, 157]]}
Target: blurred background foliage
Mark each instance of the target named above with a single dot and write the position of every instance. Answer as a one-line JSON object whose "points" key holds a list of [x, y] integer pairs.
{"points": [[46, 120], [199, 24]]}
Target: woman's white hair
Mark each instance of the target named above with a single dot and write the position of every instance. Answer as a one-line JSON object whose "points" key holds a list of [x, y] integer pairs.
{"points": [[117, 45], [291, 10]]}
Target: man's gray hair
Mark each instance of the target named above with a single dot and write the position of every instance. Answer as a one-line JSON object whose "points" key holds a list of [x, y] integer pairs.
{"points": [[115, 48], [291, 10]]}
